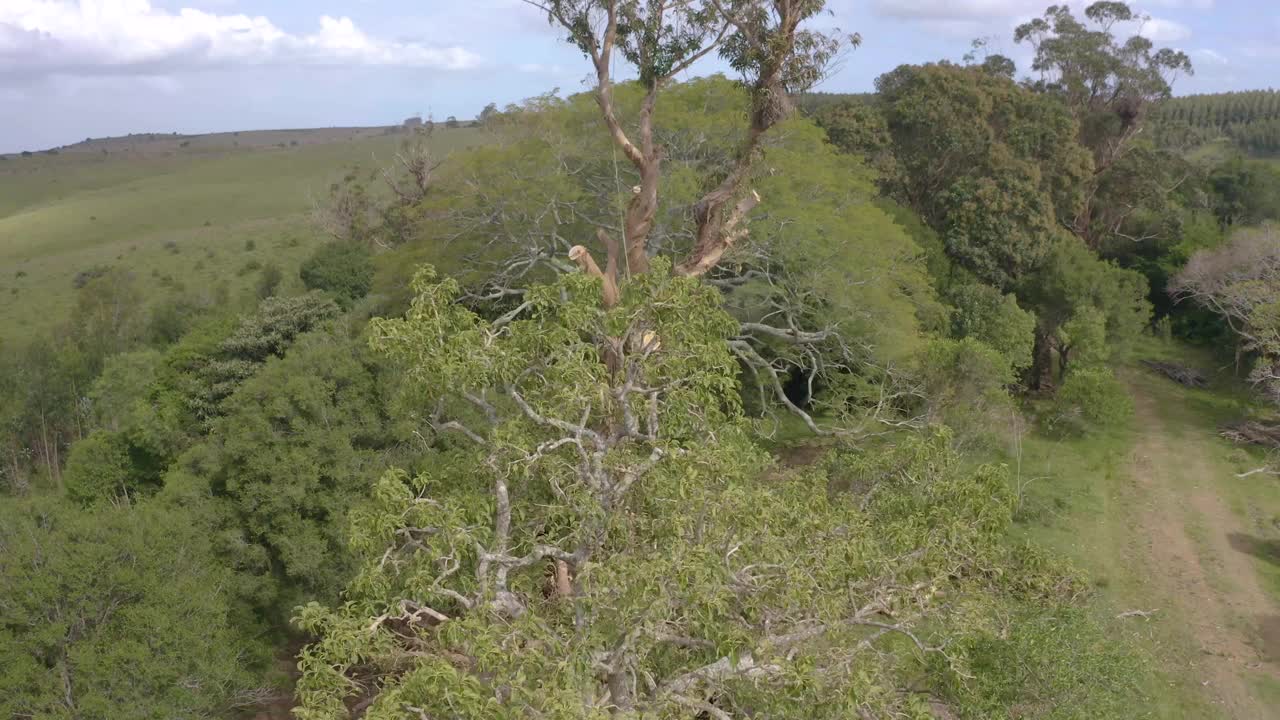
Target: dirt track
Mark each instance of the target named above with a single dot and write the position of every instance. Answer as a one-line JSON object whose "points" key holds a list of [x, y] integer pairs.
{"points": [[1201, 558]]}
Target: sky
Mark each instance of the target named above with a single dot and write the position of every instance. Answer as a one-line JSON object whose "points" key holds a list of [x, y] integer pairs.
{"points": [[72, 69]]}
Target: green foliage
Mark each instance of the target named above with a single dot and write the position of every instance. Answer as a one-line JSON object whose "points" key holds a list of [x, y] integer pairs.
{"points": [[266, 333], [288, 458], [964, 383], [41, 386], [1246, 192], [1109, 85], [983, 313], [269, 281], [108, 316], [826, 240], [858, 128], [610, 441], [1250, 119], [1055, 664], [99, 469], [1091, 400], [1075, 283], [119, 395], [117, 612], [987, 163], [342, 268], [1082, 340], [821, 253]]}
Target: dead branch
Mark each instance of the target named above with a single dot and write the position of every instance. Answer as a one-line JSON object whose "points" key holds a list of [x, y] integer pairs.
{"points": [[1253, 433], [1137, 613], [1180, 374]]}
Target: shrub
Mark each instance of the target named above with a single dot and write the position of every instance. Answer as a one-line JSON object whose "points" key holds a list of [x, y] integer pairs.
{"points": [[1057, 662], [964, 384], [342, 268], [1090, 400], [250, 245], [269, 280], [83, 277], [251, 266]]}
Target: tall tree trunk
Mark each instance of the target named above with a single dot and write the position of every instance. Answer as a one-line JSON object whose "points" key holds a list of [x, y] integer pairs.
{"points": [[75, 410], [44, 445], [1041, 375]]}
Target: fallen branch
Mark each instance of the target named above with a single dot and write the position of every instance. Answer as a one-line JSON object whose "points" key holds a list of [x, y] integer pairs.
{"points": [[1180, 374], [1250, 432], [1137, 613]]}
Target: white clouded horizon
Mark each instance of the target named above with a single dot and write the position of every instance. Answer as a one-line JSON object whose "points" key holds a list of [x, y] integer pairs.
{"points": [[957, 17], [995, 9], [93, 37], [71, 69]]}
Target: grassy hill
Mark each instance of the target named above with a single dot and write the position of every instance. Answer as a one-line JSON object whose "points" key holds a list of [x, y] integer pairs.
{"points": [[181, 212]]}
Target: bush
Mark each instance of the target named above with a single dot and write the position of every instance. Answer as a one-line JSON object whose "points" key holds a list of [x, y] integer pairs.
{"points": [[964, 384], [341, 268], [250, 245], [1055, 662], [1090, 400], [83, 277], [269, 281], [251, 266]]}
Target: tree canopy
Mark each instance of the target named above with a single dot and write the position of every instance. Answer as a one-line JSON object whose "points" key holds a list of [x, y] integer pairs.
{"points": [[119, 612]]}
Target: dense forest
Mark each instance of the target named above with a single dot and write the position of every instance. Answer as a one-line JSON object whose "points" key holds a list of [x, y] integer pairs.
{"points": [[526, 444]]}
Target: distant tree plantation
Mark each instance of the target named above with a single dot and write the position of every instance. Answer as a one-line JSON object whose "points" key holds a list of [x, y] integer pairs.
{"points": [[675, 398], [1250, 120]]}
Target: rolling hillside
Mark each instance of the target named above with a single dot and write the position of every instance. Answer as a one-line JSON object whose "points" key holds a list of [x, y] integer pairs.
{"points": [[184, 213]]}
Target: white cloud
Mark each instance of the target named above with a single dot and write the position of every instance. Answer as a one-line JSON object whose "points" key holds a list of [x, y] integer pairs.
{"points": [[1158, 30], [1262, 52], [1020, 10], [540, 68], [1210, 57], [1178, 4], [130, 36]]}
